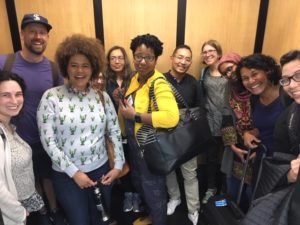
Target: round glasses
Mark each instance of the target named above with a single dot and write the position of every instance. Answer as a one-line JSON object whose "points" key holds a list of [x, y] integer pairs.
{"points": [[116, 58], [208, 52]]}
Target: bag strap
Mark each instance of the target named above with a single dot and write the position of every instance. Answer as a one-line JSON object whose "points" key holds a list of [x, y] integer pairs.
{"points": [[101, 96], [1, 218], [3, 137], [9, 62], [177, 95], [142, 134], [259, 171], [55, 73], [294, 216], [54, 68]]}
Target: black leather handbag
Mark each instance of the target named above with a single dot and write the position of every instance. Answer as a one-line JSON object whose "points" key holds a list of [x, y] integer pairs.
{"points": [[273, 205], [166, 149]]}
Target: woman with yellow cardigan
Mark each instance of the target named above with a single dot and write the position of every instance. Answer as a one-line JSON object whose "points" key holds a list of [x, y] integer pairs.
{"points": [[146, 49]]}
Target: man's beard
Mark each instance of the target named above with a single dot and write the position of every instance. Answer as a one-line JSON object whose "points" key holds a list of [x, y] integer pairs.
{"points": [[31, 49]]}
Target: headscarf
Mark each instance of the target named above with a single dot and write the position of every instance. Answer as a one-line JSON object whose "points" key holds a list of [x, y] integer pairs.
{"points": [[230, 57]]}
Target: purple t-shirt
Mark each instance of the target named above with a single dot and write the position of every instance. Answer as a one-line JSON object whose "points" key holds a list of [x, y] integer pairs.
{"points": [[38, 78]]}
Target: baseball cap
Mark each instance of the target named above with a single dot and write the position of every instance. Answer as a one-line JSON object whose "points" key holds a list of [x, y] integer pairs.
{"points": [[35, 18]]}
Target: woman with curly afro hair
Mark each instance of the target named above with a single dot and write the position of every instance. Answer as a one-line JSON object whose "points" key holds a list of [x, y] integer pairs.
{"points": [[73, 123]]}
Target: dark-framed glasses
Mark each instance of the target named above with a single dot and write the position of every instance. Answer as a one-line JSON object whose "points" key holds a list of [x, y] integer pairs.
{"points": [[147, 58], [285, 81]]}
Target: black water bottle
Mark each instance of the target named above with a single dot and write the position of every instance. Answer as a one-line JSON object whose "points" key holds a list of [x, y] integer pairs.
{"points": [[100, 204]]}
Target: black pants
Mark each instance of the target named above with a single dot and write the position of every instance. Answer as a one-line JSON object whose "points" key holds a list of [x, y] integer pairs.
{"points": [[212, 158], [151, 187]]}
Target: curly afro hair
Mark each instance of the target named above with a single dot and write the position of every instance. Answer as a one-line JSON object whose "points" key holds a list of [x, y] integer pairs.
{"points": [[80, 44], [261, 62], [151, 41]]}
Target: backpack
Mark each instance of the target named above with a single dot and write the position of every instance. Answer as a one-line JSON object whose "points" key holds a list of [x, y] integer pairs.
{"points": [[55, 72]]}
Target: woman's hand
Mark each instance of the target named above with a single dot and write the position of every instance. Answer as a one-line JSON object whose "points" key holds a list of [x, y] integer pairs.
{"points": [[250, 140], [239, 152], [127, 110], [115, 94], [108, 178], [293, 173], [82, 180]]}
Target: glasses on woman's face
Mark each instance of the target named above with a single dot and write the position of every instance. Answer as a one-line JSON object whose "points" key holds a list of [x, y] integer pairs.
{"points": [[285, 81], [147, 58], [208, 52], [116, 58]]}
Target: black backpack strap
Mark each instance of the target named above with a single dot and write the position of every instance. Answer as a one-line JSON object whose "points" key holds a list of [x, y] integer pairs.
{"points": [[2, 136], [55, 73], [201, 83], [9, 62], [1, 218]]}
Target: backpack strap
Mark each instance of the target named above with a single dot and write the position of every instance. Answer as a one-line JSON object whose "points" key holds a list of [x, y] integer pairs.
{"points": [[9, 62], [55, 73], [2, 136], [203, 73], [201, 82], [54, 68]]}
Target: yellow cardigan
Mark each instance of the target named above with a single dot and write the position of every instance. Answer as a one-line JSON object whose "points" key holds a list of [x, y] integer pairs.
{"points": [[168, 114]]}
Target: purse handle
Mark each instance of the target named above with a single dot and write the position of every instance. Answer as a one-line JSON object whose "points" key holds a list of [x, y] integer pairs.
{"points": [[178, 98], [294, 216]]}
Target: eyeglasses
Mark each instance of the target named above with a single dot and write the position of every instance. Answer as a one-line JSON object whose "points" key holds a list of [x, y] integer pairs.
{"points": [[285, 81], [115, 58], [208, 52], [147, 58], [180, 58]]}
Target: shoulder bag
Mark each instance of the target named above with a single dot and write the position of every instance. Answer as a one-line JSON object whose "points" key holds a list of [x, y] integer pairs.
{"points": [[166, 149], [110, 147]]}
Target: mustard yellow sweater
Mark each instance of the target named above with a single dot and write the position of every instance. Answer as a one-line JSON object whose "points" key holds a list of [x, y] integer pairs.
{"points": [[168, 114]]}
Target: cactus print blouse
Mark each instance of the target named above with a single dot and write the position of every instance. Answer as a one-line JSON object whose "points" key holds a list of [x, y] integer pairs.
{"points": [[72, 126]]}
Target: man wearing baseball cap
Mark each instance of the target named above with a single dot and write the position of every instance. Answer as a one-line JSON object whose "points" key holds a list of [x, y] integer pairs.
{"points": [[39, 74], [35, 18]]}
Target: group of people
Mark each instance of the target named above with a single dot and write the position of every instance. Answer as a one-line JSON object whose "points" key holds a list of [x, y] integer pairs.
{"points": [[54, 123]]}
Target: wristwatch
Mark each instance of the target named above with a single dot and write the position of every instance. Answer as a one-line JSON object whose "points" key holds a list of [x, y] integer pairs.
{"points": [[137, 118]]}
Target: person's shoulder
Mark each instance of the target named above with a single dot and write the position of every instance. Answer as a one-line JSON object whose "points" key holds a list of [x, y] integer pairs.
{"points": [[203, 73], [156, 78], [168, 76], [285, 98], [191, 77], [3, 58], [55, 91]]}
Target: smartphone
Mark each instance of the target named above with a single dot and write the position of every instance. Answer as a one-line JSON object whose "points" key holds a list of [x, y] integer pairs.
{"points": [[121, 97]]}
